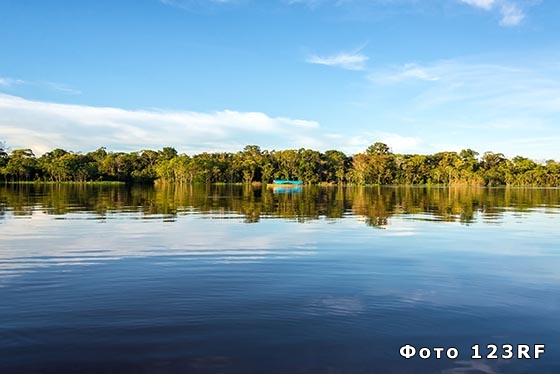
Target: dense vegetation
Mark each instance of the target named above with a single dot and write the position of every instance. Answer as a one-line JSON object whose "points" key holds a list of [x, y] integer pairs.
{"points": [[377, 165]]}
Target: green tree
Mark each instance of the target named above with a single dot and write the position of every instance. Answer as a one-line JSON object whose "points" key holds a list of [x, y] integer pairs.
{"points": [[21, 165], [379, 158], [378, 148], [336, 166]]}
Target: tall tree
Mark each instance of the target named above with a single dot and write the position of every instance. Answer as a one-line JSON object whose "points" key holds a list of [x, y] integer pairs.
{"points": [[21, 165]]}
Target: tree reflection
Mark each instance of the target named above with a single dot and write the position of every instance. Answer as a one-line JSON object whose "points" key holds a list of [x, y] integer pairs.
{"points": [[254, 203]]}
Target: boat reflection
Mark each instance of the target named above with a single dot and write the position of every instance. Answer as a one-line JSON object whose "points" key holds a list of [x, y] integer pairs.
{"points": [[288, 189]]}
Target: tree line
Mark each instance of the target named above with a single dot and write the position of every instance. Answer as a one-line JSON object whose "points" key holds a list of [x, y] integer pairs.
{"points": [[377, 165]]}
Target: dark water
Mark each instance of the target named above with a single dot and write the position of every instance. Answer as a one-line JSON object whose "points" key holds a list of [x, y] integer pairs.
{"points": [[228, 279]]}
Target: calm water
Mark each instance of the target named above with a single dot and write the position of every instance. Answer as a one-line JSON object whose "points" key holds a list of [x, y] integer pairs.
{"points": [[228, 279]]}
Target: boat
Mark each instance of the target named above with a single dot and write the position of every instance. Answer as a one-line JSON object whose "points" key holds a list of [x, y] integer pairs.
{"points": [[286, 182]]}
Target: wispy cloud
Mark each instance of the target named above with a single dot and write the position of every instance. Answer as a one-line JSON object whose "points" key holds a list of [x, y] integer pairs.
{"points": [[510, 12], [61, 88], [54, 86], [478, 102], [349, 61], [531, 87], [406, 72], [7, 82]]}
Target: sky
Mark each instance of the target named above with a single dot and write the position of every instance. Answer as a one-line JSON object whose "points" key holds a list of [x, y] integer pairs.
{"points": [[423, 76]]}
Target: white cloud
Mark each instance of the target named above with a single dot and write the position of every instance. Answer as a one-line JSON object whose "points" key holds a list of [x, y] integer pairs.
{"points": [[512, 15], [399, 143], [510, 12], [348, 61], [484, 4], [43, 126]]}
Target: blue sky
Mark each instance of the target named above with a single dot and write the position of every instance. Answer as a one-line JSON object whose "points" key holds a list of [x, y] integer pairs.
{"points": [[214, 75]]}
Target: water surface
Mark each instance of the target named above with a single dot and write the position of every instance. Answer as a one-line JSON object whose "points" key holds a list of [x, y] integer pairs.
{"points": [[233, 279]]}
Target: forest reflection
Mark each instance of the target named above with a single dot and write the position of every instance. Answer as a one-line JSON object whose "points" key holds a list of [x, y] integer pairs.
{"points": [[254, 203]]}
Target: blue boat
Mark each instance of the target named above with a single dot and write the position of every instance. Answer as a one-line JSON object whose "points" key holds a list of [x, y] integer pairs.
{"points": [[285, 182]]}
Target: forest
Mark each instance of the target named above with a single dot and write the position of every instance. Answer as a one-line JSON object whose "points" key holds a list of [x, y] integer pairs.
{"points": [[377, 165]]}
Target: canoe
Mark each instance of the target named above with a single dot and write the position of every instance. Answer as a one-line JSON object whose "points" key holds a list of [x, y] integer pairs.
{"points": [[285, 182]]}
